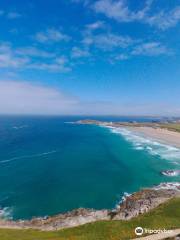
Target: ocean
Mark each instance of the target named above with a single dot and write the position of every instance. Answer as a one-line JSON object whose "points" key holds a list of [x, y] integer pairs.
{"points": [[49, 165]]}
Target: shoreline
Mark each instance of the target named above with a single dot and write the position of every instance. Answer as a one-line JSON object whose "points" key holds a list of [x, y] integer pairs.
{"points": [[161, 135], [156, 131], [132, 206], [147, 136]]}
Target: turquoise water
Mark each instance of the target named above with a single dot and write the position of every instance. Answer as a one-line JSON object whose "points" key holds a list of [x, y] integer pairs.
{"points": [[49, 166]]}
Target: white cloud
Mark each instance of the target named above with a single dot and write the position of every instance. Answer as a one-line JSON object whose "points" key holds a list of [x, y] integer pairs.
{"points": [[22, 58], [51, 35], [17, 97], [34, 52], [112, 9], [107, 41], [27, 98], [57, 65], [165, 20], [95, 25], [150, 49], [103, 39], [120, 11], [79, 53], [8, 59]]}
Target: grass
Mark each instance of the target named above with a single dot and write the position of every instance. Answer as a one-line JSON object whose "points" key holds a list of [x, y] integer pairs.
{"points": [[165, 216]]}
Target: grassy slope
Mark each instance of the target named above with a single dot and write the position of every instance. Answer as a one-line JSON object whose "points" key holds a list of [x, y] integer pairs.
{"points": [[165, 216]]}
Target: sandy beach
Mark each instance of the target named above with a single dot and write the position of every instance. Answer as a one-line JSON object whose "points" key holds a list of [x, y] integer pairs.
{"points": [[162, 135], [153, 131]]}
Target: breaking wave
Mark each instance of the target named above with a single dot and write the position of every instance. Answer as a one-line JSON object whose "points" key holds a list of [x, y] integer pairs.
{"points": [[168, 185], [151, 146], [6, 213]]}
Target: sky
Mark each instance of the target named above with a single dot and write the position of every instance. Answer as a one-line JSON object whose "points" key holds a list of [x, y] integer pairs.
{"points": [[85, 57]]}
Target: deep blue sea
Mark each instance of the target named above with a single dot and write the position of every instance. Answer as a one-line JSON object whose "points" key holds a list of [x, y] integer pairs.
{"points": [[48, 165]]}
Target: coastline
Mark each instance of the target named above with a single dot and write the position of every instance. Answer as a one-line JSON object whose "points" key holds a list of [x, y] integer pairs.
{"points": [[130, 207], [156, 131], [160, 139]]}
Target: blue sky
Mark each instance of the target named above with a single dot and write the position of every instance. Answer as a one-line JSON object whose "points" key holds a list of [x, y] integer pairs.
{"points": [[117, 57]]}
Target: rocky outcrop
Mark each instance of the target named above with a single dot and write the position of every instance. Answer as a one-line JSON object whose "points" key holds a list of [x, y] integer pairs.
{"points": [[131, 206], [143, 201]]}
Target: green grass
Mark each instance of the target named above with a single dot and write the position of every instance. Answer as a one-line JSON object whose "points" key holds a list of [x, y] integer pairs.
{"points": [[165, 216]]}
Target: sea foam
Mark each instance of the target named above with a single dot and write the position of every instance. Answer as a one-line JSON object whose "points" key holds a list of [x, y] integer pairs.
{"points": [[168, 185], [152, 146], [6, 213]]}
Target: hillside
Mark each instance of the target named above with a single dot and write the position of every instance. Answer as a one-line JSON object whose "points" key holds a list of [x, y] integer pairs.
{"points": [[165, 216]]}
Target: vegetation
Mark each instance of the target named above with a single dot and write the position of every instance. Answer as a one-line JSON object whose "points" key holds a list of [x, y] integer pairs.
{"points": [[165, 216], [171, 126]]}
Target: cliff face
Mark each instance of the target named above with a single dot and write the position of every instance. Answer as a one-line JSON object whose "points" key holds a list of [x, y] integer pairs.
{"points": [[132, 206]]}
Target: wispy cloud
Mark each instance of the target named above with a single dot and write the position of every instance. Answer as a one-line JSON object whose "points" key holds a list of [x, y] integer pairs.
{"points": [[51, 35], [79, 53], [110, 41], [23, 58], [165, 19], [34, 52], [95, 25], [122, 47], [150, 49], [106, 41], [143, 49], [59, 64], [26, 98], [120, 11], [98, 35], [22, 97], [8, 59]]}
